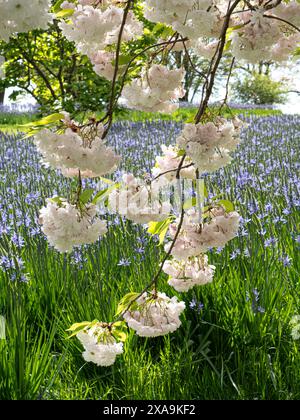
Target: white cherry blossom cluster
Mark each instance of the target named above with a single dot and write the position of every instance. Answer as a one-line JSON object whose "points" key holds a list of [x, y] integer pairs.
{"points": [[195, 238], [156, 90], [103, 63], [191, 18], [166, 165], [100, 347], [281, 51], [184, 275], [263, 38], [154, 314], [138, 201], [74, 150], [290, 12], [93, 29], [205, 49], [66, 226], [208, 145], [23, 16]]}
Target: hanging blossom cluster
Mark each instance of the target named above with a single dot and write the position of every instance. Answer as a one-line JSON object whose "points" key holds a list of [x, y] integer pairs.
{"points": [[156, 90], [77, 149], [154, 314], [94, 26], [139, 201], [194, 271], [263, 36], [23, 16], [100, 346], [167, 164], [260, 33], [77, 153], [191, 19], [67, 226], [209, 145], [196, 238]]}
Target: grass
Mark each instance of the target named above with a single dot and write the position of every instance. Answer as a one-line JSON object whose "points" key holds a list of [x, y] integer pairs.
{"points": [[238, 345], [11, 122]]}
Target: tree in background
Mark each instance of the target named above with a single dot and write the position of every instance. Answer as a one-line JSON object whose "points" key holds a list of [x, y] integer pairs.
{"points": [[48, 67], [259, 89]]}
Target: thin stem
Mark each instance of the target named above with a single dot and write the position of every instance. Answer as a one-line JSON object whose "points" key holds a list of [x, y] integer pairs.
{"points": [[198, 195], [216, 62], [172, 170], [283, 20], [154, 281], [110, 110], [227, 84]]}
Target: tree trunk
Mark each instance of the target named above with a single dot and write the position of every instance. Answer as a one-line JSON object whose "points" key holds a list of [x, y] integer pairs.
{"points": [[2, 94]]}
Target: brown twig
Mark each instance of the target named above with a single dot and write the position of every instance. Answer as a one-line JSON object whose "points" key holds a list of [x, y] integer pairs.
{"points": [[282, 20], [110, 110], [215, 62]]}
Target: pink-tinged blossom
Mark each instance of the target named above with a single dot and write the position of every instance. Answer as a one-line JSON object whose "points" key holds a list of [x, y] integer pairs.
{"points": [[65, 226], [208, 145], [184, 275], [23, 16], [139, 201], [72, 151], [195, 239], [155, 315], [100, 347], [93, 29], [168, 163], [156, 91]]}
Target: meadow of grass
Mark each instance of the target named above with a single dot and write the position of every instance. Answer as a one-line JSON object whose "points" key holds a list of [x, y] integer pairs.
{"points": [[235, 341], [12, 121]]}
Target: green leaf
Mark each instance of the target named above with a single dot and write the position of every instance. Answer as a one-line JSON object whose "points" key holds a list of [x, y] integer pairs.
{"points": [[121, 335], [50, 119], [76, 328], [57, 200], [123, 59], [191, 202], [102, 195], [64, 13], [86, 196], [79, 325], [106, 180], [160, 228], [228, 205], [227, 45], [190, 120], [181, 152], [120, 324], [232, 29], [126, 301], [57, 6]]}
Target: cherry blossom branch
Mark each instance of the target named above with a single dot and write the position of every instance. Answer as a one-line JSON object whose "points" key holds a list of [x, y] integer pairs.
{"points": [[216, 62], [172, 170], [154, 281], [165, 44], [110, 110], [282, 20], [227, 84]]}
